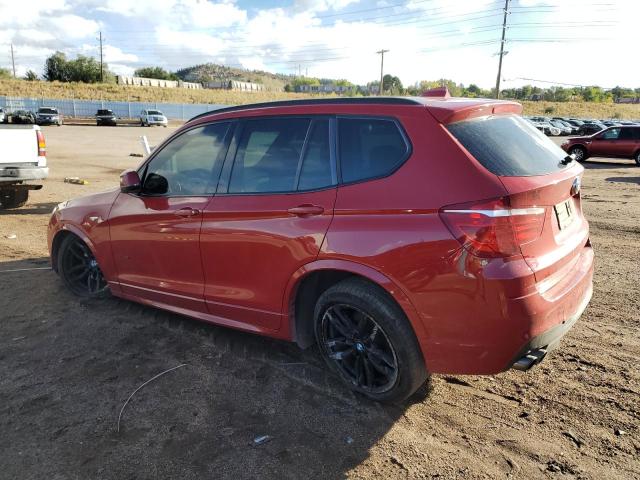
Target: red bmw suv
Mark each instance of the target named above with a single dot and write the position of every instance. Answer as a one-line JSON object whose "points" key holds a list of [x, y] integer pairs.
{"points": [[403, 236]]}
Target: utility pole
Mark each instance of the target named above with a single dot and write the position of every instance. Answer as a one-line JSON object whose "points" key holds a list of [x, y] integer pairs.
{"points": [[504, 32], [13, 62], [101, 63], [381, 53]]}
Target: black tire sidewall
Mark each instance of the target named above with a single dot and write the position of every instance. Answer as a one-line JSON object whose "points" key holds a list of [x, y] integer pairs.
{"points": [[14, 198], [371, 299]]}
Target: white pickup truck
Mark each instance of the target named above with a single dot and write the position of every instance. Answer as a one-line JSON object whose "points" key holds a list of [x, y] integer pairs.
{"points": [[23, 163]]}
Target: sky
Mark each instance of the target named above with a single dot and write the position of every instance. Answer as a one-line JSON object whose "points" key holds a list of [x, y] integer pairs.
{"points": [[581, 42]]}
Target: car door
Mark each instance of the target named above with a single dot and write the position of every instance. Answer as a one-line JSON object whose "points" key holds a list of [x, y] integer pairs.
{"points": [[627, 143], [155, 234], [603, 144], [269, 218]]}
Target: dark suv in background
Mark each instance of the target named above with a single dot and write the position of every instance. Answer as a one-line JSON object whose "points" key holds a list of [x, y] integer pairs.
{"points": [[106, 117]]}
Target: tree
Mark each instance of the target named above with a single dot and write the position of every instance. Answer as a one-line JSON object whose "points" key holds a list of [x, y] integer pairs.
{"points": [[55, 67], [392, 84], [31, 76], [155, 72], [5, 73]]}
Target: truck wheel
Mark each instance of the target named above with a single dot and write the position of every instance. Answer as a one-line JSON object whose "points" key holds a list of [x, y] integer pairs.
{"points": [[365, 338], [79, 269], [13, 198]]}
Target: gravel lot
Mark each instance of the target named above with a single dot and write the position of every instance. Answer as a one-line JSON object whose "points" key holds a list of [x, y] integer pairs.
{"points": [[67, 367]]}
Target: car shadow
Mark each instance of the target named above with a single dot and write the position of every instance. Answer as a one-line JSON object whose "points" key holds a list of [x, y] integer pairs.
{"points": [[241, 406], [606, 164], [30, 209], [624, 180]]}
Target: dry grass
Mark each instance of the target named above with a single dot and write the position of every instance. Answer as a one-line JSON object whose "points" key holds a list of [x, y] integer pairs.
{"points": [[583, 110], [83, 91]]}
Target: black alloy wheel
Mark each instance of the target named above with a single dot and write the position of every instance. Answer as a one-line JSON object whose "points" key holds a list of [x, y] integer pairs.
{"points": [[360, 348], [79, 268]]}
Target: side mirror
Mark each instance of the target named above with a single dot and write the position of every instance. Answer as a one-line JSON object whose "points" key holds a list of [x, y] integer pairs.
{"points": [[130, 182]]}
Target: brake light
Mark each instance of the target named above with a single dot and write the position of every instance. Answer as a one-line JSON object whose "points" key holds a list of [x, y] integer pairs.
{"points": [[42, 146], [492, 228]]}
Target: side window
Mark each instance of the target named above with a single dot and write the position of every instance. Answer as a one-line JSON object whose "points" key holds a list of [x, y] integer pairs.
{"points": [[611, 134], [629, 133], [268, 155], [316, 165], [369, 148], [189, 164]]}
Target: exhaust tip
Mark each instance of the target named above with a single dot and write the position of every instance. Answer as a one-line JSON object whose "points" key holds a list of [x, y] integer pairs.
{"points": [[532, 358]]}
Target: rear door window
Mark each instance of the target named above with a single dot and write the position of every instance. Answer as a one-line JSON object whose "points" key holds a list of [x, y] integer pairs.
{"points": [[629, 133], [268, 155], [508, 145], [369, 148], [316, 171]]}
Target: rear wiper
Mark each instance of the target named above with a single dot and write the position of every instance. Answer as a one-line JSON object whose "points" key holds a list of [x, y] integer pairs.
{"points": [[567, 160]]}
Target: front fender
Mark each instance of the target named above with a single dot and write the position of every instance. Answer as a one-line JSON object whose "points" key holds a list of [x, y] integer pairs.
{"points": [[355, 268]]}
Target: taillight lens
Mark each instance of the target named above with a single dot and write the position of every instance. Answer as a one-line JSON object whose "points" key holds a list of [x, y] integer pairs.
{"points": [[42, 146], [492, 228]]}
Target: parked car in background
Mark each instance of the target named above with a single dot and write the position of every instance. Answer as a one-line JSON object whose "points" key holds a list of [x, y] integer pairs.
{"points": [[564, 129], [575, 122], [23, 163], [590, 128], [335, 222], [615, 142], [610, 123], [23, 117], [48, 116], [105, 116], [546, 128], [152, 117], [3, 116]]}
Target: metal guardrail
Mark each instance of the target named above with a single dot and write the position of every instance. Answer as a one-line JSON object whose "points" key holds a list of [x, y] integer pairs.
{"points": [[88, 108]]}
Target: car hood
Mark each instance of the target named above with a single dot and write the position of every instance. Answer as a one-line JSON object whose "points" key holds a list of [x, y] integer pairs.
{"points": [[93, 199]]}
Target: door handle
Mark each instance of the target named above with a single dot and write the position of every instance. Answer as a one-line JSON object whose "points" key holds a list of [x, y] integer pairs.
{"points": [[186, 212], [306, 210]]}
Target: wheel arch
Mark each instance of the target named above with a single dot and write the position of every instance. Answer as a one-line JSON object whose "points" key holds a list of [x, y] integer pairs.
{"points": [[61, 234], [310, 281]]}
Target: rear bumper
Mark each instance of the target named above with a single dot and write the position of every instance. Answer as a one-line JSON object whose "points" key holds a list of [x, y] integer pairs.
{"points": [[534, 351], [20, 174], [493, 327]]}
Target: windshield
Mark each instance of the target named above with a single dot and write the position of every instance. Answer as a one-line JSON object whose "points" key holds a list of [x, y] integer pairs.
{"points": [[48, 110], [508, 145], [154, 112], [105, 112]]}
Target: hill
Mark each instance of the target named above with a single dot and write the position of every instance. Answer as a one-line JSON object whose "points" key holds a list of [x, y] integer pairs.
{"points": [[211, 72]]}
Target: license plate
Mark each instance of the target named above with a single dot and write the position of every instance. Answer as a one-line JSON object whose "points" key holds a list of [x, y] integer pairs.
{"points": [[564, 214]]}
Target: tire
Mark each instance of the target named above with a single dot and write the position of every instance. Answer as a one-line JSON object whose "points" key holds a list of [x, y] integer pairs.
{"points": [[13, 198], [366, 339], [637, 158], [79, 270], [579, 152]]}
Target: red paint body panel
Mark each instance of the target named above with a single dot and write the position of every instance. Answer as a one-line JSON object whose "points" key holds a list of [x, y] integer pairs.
{"points": [[251, 246], [239, 262]]}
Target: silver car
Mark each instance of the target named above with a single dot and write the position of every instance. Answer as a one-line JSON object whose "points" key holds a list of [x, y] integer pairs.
{"points": [[152, 117]]}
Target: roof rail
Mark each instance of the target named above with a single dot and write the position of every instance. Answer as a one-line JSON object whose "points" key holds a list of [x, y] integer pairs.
{"points": [[315, 101]]}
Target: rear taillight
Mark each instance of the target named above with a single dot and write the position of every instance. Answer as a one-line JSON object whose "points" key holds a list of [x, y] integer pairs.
{"points": [[42, 146], [492, 228]]}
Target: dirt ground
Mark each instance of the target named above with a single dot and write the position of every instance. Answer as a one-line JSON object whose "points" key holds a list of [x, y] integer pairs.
{"points": [[67, 367]]}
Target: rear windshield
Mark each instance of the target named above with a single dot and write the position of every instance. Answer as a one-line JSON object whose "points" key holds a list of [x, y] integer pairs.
{"points": [[47, 110], [509, 146]]}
